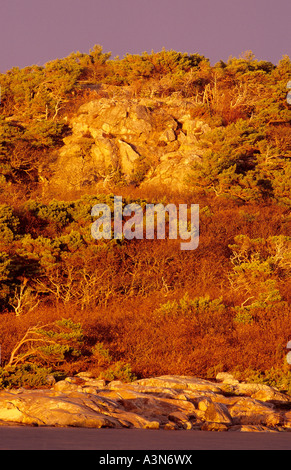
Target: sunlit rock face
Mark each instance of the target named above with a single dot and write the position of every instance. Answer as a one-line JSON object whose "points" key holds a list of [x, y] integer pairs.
{"points": [[166, 402], [135, 141]]}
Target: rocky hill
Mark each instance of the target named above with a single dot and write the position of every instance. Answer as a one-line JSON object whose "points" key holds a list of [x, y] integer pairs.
{"points": [[157, 128], [143, 119]]}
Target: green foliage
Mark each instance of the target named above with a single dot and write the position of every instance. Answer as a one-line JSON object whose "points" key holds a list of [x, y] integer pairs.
{"points": [[118, 371], [187, 307], [9, 223], [5, 276], [55, 211], [246, 154], [258, 266], [101, 355], [230, 164], [110, 370], [72, 241], [201, 314], [155, 65], [53, 343], [65, 340], [248, 63], [44, 134], [40, 90], [244, 317], [274, 377], [24, 375], [5, 263], [271, 255], [63, 213]]}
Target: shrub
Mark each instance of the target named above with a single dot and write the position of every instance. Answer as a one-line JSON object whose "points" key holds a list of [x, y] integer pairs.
{"points": [[24, 375], [189, 308], [118, 371], [52, 343], [243, 317], [274, 377], [9, 223], [101, 355]]}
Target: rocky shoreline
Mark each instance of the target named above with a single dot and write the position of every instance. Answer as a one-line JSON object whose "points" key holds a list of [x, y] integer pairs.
{"points": [[166, 402]]}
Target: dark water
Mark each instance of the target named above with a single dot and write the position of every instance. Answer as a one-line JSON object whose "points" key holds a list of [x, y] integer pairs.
{"points": [[45, 438]]}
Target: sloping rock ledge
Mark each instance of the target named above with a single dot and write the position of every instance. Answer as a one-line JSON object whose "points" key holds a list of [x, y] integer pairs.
{"points": [[166, 402]]}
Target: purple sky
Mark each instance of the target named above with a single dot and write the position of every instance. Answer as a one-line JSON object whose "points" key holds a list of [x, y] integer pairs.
{"points": [[37, 31]]}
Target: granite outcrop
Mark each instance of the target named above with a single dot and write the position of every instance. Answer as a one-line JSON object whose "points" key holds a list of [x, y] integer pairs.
{"points": [[166, 402], [134, 141]]}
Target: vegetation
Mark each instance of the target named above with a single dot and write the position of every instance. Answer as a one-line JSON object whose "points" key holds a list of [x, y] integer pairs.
{"points": [[144, 307]]}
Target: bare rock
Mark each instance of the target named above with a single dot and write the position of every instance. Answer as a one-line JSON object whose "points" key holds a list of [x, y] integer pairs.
{"points": [[287, 420], [251, 428], [214, 412], [181, 419], [251, 411], [261, 392], [168, 402], [219, 427], [128, 157], [52, 409], [65, 386], [112, 136], [226, 378], [180, 383]]}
